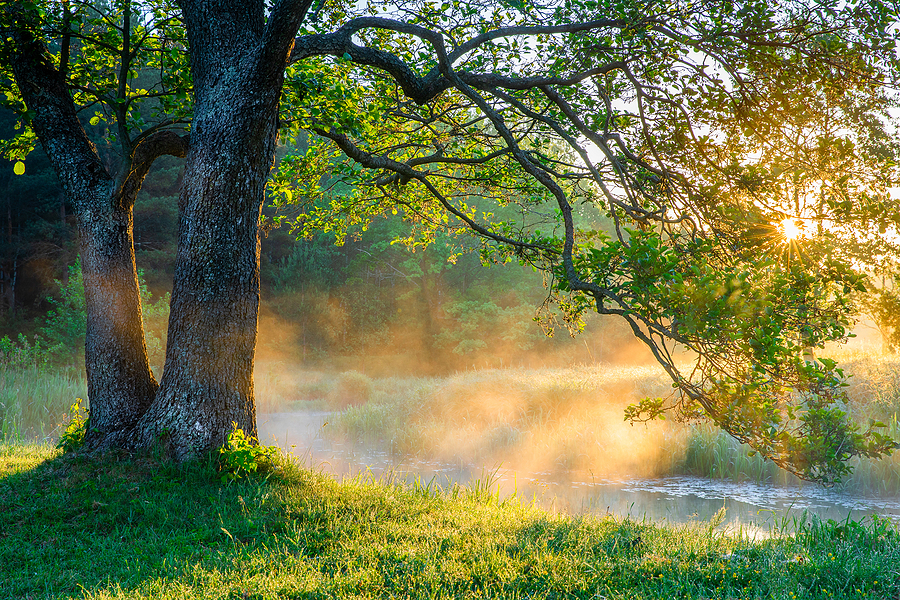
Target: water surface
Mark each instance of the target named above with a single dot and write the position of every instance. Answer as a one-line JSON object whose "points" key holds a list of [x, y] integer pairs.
{"points": [[750, 507]]}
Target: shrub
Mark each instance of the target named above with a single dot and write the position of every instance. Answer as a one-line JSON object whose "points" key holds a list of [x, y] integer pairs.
{"points": [[66, 323], [242, 455], [73, 437]]}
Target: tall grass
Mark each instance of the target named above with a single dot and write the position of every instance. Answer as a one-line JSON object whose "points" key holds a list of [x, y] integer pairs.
{"points": [[556, 421], [35, 401]]}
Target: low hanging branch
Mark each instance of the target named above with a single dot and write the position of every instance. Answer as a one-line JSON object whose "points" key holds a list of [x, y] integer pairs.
{"points": [[666, 125]]}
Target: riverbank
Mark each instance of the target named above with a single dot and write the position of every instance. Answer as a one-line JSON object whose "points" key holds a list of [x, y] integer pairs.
{"points": [[139, 528], [564, 422]]}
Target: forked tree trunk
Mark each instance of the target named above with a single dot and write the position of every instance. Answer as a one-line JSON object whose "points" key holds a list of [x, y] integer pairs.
{"points": [[237, 64]]}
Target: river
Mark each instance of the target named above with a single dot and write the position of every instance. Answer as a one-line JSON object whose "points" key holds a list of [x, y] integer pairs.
{"points": [[753, 508]]}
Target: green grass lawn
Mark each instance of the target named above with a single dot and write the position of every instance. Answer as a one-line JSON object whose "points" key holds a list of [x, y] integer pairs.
{"points": [[116, 527]]}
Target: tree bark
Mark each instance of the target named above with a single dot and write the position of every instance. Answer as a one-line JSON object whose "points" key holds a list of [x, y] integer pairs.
{"points": [[120, 383], [207, 381], [237, 62]]}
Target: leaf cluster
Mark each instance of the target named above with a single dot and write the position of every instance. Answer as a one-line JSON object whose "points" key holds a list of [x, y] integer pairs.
{"points": [[73, 437], [242, 456]]}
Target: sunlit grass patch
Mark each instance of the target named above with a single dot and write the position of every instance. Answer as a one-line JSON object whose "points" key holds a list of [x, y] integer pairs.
{"points": [[16, 457], [120, 527]]}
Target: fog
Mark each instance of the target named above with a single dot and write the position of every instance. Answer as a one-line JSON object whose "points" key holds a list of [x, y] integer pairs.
{"points": [[543, 423]]}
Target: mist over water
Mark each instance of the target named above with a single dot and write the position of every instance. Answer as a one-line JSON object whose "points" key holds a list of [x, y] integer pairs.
{"points": [[557, 436]]}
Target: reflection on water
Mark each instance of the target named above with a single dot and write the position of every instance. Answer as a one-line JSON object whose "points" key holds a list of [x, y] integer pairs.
{"points": [[751, 507]]}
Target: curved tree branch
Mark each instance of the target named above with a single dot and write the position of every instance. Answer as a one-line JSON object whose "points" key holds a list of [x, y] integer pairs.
{"points": [[147, 150]]}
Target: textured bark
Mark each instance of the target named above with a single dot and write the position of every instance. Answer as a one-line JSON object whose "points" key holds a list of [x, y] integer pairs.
{"points": [[208, 377], [237, 62], [120, 382]]}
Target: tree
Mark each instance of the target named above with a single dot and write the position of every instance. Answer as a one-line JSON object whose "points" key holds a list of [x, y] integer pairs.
{"points": [[679, 122], [102, 189]]}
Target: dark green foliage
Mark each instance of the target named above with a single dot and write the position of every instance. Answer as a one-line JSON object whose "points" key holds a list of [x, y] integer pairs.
{"points": [[37, 236], [242, 456], [66, 322]]}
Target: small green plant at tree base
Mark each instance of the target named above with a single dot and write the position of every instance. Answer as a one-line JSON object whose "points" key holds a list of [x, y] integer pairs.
{"points": [[242, 455], [73, 436]]}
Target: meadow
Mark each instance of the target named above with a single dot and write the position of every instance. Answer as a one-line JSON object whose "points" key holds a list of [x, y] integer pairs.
{"points": [[114, 526], [35, 401]]}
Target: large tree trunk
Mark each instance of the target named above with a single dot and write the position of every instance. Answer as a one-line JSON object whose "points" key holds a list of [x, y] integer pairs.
{"points": [[207, 381], [120, 383]]}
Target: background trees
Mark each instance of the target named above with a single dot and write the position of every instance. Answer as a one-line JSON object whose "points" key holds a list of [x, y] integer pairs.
{"points": [[687, 127]]}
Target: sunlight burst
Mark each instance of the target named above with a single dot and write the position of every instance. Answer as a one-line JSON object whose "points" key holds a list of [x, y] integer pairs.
{"points": [[790, 230]]}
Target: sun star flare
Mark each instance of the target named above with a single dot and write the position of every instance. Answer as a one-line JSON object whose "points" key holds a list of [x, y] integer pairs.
{"points": [[790, 230]]}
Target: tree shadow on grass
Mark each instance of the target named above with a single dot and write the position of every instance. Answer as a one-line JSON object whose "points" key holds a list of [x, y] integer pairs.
{"points": [[76, 525]]}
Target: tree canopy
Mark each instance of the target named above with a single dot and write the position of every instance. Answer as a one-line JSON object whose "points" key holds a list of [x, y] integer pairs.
{"points": [[699, 132], [697, 129]]}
